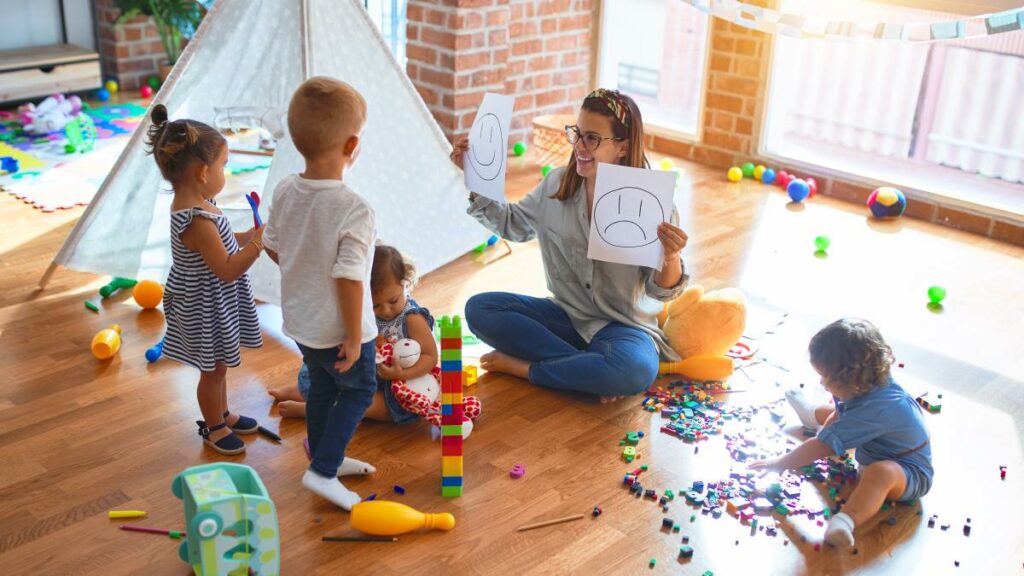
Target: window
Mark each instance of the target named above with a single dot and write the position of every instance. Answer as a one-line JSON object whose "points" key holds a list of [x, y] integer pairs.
{"points": [[389, 15], [931, 116], [654, 50]]}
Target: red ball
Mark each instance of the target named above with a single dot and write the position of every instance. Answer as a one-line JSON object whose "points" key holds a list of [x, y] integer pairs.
{"points": [[813, 186], [145, 91], [782, 178]]}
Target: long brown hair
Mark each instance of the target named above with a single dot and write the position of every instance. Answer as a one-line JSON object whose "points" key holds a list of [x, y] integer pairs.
{"points": [[629, 128]]}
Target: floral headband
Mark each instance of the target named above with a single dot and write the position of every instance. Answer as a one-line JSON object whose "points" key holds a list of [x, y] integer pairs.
{"points": [[613, 100]]}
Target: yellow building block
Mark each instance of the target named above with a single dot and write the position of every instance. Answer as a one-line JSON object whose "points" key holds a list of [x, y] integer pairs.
{"points": [[451, 466], [446, 398]]}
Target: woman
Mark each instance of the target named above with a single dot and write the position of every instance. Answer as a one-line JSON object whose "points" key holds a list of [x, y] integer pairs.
{"points": [[599, 331]]}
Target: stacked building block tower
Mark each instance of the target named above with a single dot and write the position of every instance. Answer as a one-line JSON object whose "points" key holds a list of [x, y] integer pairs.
{"points": [[451, 406]]}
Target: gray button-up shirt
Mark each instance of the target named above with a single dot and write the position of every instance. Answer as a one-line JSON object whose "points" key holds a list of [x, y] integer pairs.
{"points": [[592, 293]]}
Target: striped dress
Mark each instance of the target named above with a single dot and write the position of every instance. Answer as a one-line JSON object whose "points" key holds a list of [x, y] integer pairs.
{"points": [[207, 320]]}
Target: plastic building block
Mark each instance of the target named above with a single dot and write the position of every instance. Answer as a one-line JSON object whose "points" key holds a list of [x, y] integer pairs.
{"points": [[686, 552], [517, 471], [653, 562], [667, 523], [470, 375], [596, 511], [628, 453], [1002, 472], [92, 306], [451, 466]]}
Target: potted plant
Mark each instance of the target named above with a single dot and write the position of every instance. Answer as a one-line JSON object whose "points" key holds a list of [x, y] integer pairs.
{"points": [[174, 19]]}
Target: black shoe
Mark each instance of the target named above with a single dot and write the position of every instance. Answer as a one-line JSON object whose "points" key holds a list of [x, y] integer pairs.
{"points": [[228, 445], [245, 425]]}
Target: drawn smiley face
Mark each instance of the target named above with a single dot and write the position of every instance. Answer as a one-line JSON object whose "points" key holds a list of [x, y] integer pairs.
{"points": [[628, 217], [487, 147]]}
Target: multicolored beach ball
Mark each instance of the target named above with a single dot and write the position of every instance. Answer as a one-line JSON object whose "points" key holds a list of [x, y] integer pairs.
{"points": [[887, 202]]}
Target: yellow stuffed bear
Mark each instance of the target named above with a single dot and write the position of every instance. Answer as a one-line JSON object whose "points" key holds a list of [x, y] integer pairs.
{"points": [[702, 327]]}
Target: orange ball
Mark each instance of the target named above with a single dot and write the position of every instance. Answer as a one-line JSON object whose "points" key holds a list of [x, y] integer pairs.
{"points": [[148, 294]]}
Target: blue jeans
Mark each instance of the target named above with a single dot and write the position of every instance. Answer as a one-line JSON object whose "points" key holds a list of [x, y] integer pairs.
{"points": [[336, 403], [619, 360], [398, 414]]}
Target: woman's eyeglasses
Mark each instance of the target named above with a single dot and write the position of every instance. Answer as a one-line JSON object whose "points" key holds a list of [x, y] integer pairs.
{"points": [[591, 140]]}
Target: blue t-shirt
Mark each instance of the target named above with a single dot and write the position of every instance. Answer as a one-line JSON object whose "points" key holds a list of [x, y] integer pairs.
{"points": [[884, 424]]}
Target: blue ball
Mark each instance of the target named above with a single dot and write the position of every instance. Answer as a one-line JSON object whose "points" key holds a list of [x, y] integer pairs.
{"points": [[103, 94], [768, 176], [798, 190]]}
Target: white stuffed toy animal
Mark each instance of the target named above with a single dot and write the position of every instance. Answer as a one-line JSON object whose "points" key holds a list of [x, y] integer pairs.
{"points": [[422, 395], [51, 115]]}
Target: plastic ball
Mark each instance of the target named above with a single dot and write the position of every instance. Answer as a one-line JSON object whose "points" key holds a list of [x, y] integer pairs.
{"points": [[519, 148], [103, 94], [813, 185], [887, 202], [154, 82], [112, 86], [798, 190], [544, 171], [735, 174], [768, 177], [666, 164], [69, 148], [936, 294], [759, 171], [782, 178], [822, 243], [148, 294], [748, 170], [146, 91]]}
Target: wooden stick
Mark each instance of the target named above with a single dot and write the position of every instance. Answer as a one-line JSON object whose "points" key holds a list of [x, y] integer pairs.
{"points": [[252, 152], [550, 522], [359, 539]]}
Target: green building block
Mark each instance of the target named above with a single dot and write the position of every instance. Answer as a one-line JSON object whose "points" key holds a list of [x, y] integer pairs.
{"points": [[451, 430], [451, 354], [451, 491], [451, 327]]}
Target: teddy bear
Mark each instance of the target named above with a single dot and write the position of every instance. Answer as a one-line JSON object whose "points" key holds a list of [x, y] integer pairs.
{"points": [[422, 395], [50, 115], [702, 327]]}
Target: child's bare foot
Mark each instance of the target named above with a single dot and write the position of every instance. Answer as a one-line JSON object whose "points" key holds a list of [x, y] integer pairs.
{"points": [[286, 393], [610, 399], [292, 409], [501, 362]]}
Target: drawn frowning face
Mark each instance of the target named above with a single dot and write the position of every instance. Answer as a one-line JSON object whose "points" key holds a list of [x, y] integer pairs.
{"points": [[628, 217], [487, 147]]}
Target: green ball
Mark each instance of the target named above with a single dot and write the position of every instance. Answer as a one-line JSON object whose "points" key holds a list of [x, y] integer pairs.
{"points": [[936, 294], [154, 82], [822, 243], [544, 171], [748, 170], [69, 148], [519, 148]]}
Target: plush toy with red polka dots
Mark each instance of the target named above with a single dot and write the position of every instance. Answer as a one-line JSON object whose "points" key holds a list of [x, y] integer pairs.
{"points": [[422, 395]]}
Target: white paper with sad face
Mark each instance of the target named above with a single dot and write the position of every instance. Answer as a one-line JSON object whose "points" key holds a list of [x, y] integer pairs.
{"points": [[485, 162], [629, 204]]}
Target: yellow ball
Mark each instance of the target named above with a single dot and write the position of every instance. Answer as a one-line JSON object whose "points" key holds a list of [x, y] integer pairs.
{"points": [[735, 174], [667, 164], [111, 86], [758, 172], [148, 294]]}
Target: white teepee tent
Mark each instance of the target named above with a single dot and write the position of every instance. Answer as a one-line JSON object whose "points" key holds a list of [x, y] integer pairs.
{"points": [[253, 54]]}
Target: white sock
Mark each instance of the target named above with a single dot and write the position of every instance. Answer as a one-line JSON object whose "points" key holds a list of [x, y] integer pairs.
{"points": [[330, 488], [839, 531], [803, 407], [353, 467]]}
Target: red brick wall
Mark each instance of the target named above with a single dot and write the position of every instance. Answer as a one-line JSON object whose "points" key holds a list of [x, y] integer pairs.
{"points": [[537, 50], [130, 52]]}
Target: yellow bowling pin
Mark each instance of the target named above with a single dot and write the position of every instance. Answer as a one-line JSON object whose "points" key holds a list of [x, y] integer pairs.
{"points": [[385, 518]]}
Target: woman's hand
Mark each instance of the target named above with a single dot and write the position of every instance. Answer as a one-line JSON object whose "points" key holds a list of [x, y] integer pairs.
{"points": [[459, 149], [393, 372], [673, 239]]}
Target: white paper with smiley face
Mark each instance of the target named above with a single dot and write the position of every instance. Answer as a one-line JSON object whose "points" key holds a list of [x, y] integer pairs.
{"points": [[485, 162], [629, 204]]}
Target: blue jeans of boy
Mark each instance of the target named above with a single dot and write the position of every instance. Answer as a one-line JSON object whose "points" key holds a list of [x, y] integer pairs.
{"points": [[618, 361], [336, 403]]}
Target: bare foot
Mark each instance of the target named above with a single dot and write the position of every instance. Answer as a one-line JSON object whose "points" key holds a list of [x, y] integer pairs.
{"points": [[292, 409], [501, 362], [286, 393], [610, 399]]}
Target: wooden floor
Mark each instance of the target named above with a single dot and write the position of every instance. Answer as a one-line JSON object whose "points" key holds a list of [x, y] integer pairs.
{"points": [[79, 437]]}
